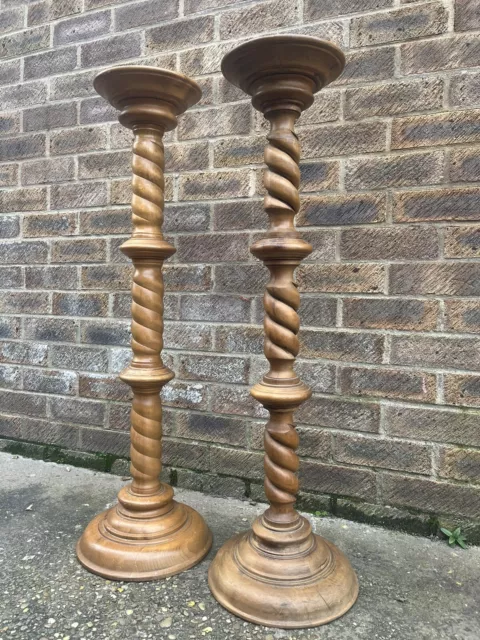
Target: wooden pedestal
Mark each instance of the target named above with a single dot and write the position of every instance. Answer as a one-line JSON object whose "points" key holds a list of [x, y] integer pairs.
{"points": [[147, 535], [279, 573]]}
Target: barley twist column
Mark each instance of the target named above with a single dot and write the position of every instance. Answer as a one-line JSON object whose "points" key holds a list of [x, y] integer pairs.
{"points": [[147, 535], [280, 574]]}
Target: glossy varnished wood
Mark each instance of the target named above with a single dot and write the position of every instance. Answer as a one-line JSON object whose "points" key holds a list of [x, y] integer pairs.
{"points": [[147, 535], [279, 573]]}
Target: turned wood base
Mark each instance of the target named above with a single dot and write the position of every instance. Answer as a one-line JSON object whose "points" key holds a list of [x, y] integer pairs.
{"points": [[287, 579], [120, 545]]}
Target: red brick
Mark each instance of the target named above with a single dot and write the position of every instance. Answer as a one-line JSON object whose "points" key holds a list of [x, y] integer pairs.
{"points": [[463, 315], [459, 464], [463, 390], [237, 462], [200, 426]]}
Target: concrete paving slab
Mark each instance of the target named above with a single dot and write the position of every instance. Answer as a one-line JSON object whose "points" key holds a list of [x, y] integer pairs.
{"points": [[410, 588]]}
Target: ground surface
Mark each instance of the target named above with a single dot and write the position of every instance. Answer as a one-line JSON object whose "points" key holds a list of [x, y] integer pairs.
{"points": [[410, 588]]}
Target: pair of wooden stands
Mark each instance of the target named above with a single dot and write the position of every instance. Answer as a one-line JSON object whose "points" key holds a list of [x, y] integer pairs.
{"points": [[279, 573]]}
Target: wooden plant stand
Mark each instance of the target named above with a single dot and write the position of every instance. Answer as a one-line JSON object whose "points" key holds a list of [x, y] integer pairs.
{"points": [[279, 573], [147, 535]]}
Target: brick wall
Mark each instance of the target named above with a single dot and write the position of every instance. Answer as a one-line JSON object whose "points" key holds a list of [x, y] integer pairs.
{"points": [[390, 311]]}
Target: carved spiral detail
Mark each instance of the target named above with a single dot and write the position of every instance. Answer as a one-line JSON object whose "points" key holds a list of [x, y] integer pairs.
{"points": [[281, 302], [147, 309]]}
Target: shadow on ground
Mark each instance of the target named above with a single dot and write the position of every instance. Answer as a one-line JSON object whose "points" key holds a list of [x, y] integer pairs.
{"points": [[410, 588]]}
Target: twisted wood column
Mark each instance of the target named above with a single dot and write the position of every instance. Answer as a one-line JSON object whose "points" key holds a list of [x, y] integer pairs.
{"points": [[147, 535], [280, 574]]}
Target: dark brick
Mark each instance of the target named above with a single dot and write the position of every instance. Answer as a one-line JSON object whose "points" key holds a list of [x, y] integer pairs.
{"points": [[380, 452], [51, 277], [240, 279], [9, 226], [49, 10], [390, 313], [405, 243], [325, 108], [186, 157], [197, 426], [24, 253], [319, 376], [50, 63], [343, 139], [75, 85], [204, 60], [116, 443], [145, 13], [9, 174], [340, 414], [238, 152], [236, 462], [194, 6], [186, 217], [459, 278], [465, 90], [437, 425], [214, 368], [437, 205], [107, 277], [464, 165], [440, 55], [23, 353], [227, 92], [220, 121], [80, 251], [23, 42], [462, 242], [445, 128], [95, 385], [402, 24], [9, 327], [265, 16], [9, 122], [215, 308], [104, 165], [10, 72], [49, 117], [23, 403], [236, 400], [459, 464], [110, 50], [430, 496], [211, 484], [184, 279], [85, 27], [467, 16], [457, 353], [336, 345], [463, 390], [119, 418], [186, 454], [342, 209], [79, 358], [463, 315], [10, 377], [214, 185], [318, 176], [85, 194], [11, 278], [105, 222], [180, 34], [80, 304], [239, 340], [339, 278], [50, 329], [337, 480], [318, 10], [11, 20], [78, 140], [317, 312], [246, 214], [58, 382], [213, 248], [33, 199], [24, 302], [49, 224], [48, 170], [370, 65], [93, 110], [185, 395], [179, 335], [26, 146], [388, 383]]}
